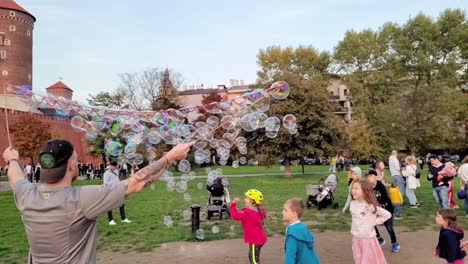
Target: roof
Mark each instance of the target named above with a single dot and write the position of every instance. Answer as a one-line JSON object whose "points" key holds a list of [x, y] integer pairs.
{"points": [[12, 5], [201, 91], [59, 85]]}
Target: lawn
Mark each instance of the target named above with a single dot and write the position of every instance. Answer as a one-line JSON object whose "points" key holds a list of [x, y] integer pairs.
{"points": [[148, 208]]}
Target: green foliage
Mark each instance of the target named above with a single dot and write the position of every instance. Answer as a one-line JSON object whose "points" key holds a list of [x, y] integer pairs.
{"points": [[405, 81]]}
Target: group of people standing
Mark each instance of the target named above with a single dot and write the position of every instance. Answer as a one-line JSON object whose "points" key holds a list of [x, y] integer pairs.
{"points": [[370, 205]]}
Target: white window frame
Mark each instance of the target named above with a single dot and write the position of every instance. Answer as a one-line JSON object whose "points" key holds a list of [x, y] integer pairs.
{"points": [[12, 13], [3, 54], [28, 32], [6, 42], [12, 28], [5, 73]]}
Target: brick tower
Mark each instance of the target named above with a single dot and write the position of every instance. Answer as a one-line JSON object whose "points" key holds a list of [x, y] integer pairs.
{"points": [[16, 39]]}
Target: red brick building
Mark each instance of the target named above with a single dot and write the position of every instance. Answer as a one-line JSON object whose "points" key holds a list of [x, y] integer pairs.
{"points": [[16, 64]]}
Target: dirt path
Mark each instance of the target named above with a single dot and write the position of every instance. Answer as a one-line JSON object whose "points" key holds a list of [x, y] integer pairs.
{"points": [[332, 247]]}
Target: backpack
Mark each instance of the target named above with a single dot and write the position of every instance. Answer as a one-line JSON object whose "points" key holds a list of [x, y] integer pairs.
{"points": [[418, 173]]}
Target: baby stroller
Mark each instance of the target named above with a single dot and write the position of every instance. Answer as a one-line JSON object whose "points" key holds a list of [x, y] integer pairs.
{"points": [[218, 200], [321, 195]]}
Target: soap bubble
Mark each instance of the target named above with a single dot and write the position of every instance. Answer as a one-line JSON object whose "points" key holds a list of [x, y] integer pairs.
{"points": [[282, 168], [215, 229], [272, 124], [187, 197], [171, 186], [168, 221], [130, 148], [184, 166], [200, 234], [153, 137], [151, 153], [187, 215], [181, 187], [212, 121], [200, 185], [135, 158], [225, 182], [289, 121], [112, 148], [242, 160], [78, 123], [200, 156], [235, 164], [280, 90], [115, 128], [62, 114]]}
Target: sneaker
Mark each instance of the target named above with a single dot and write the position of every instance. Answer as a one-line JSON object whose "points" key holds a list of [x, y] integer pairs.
{"points": [[414, 206], [398, 218], [417, 204], [395, 247], [126, 221], [112, 222], [381, 241]]}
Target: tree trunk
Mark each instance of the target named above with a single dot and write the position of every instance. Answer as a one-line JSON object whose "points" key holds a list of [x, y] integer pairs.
{"points": [[287, 169], [302, 163]]}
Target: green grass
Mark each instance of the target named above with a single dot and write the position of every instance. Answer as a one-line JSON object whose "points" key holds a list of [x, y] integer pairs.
{"points": [[148, 208]]}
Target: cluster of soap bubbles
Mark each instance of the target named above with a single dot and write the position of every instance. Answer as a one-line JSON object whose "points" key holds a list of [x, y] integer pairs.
{"points": [[132, 136]]}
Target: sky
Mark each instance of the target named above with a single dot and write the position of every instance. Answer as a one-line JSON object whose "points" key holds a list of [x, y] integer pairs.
{"points": [[89, 43]]}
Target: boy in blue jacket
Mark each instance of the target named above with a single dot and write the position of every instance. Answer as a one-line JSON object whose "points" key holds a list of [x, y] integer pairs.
{"points": [[299, 244]]}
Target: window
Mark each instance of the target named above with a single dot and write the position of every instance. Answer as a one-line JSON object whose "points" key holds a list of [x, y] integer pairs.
{"points": [[6, 42], [4, 72], [12, 13], [2, 38], [2, 54], [12, 28], [28, 33]]}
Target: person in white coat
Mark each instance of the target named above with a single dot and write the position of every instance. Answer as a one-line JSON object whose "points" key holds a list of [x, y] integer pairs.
{"points": [[412, 183]]}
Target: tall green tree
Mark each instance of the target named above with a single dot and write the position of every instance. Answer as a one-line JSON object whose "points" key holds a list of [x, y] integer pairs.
{"points": [[405, 80], [305, 69]]}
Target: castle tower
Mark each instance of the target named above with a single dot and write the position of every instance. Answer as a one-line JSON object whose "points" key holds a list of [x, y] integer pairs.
{"points": [[60, 89], [16, 39]]}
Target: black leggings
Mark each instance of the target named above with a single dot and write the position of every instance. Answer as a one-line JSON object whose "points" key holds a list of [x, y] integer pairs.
{"points": [[122, 214], [389, 226], [254, 253]]}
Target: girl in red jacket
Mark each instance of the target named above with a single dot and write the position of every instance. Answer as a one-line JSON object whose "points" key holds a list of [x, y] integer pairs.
{"points": [[251, 216]]}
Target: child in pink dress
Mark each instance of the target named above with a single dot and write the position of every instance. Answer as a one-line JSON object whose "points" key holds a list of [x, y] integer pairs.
{"points": [[366, 214]]}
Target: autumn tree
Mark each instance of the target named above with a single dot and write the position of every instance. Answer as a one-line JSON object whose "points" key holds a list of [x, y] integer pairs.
{"points": [[29, 135]]}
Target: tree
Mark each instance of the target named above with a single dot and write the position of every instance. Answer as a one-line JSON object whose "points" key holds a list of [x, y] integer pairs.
{"points": [[167, 96], [29, 135], [115, 99], [304, 68], [405, 80]]}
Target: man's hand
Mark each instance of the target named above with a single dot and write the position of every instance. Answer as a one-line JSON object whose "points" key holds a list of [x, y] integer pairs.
{"points": [[9, 154], [179, 152]]}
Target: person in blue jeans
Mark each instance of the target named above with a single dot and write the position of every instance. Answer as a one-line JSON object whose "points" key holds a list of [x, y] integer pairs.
{"points": [[299, 244], [395, 170], [463, 174], [440, 184]]}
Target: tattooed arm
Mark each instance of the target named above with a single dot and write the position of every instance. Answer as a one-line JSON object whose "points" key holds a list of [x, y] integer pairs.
{"points": [[152, 172]]}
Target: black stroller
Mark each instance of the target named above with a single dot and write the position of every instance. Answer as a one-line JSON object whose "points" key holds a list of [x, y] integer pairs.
{"points": [[217, 202], [321, 195]]}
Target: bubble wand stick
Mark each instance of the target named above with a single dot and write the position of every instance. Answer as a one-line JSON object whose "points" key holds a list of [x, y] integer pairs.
{"points": [[6, 114]]}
